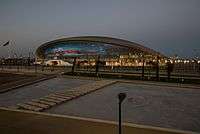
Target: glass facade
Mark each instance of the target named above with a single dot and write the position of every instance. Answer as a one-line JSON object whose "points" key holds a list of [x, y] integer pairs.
{"points": [[75, 49]]}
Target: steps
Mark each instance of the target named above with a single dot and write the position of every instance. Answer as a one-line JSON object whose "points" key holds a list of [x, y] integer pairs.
{"points": [[57, 98]]}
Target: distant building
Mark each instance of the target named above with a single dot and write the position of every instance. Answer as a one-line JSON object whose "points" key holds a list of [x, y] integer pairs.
{"points": [[87, 49]]}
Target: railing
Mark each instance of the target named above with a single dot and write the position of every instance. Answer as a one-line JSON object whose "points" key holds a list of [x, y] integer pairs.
{"points": [[179, 73]]}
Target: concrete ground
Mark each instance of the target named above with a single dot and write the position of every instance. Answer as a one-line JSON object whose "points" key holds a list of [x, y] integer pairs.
{"points": [[10, 77], [40, 89], [33, 69], [154, 105], [163, 106]]}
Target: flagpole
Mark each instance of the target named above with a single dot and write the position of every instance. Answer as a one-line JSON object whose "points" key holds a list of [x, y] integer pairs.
{"points": [[7, 43]]}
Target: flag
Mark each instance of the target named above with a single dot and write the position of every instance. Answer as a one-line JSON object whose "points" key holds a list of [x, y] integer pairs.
{"points": [[7, 43]]}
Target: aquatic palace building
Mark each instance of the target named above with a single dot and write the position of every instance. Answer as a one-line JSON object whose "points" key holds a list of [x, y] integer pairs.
{"points": [[88, 49]]}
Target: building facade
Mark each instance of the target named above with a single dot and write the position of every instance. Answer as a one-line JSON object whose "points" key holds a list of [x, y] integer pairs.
{"points": [[87, 49]]}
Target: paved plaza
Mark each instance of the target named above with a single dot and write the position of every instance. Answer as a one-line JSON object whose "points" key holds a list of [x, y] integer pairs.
{"points": [[10, 77], [40, 89], [147, 103], [163, 106], [9, 80]]}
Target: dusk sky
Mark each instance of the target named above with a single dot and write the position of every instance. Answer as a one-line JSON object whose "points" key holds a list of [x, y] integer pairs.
{"points": [[168, 26]]}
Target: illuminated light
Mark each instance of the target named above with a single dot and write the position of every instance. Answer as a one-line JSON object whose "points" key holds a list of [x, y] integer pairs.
{"points": [[140, 64], [179, 61], [199, 61], [186, 61]]}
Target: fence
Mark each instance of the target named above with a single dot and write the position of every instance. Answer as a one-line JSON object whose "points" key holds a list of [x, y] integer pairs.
{"points": [[178, 71]]}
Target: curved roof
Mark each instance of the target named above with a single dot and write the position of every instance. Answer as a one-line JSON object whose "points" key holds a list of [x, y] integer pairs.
{"points": [[99, 39]]}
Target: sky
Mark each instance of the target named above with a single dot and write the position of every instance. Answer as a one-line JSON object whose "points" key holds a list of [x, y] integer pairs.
{"points": [[168, 26]]}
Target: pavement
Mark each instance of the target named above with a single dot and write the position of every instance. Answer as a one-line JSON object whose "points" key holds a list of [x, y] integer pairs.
{"points": [[40, 89], [57, 98], [148, 103], [18, 83], [37, 70], [162, 106]]}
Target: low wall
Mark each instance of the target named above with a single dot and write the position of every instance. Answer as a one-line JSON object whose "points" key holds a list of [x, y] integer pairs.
{"points": [[25, 122]]}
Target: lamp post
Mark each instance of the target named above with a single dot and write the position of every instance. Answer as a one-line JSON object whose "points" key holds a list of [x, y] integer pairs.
{"points": [[142, 67], [121, 97], [157, 68], [74, 64], [97, 64]]}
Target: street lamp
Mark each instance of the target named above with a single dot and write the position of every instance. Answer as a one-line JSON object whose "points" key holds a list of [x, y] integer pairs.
{"points": [[121, 97]]}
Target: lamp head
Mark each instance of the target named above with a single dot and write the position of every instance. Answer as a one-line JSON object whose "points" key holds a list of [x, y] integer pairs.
{"points": [[121, 97]]}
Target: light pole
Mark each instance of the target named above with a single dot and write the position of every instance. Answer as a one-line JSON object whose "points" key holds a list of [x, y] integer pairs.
{"points": [[74, 64], [143, 67], [97, 64], [121, 97], [157, 68]]}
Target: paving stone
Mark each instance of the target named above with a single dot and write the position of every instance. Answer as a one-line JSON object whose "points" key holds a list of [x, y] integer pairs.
{"points": [[38, 104], [70, 95], [61, 96], [51, 100], [75, 94], [79, 91], [46, 102], [29, 107], [56, 98]]}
